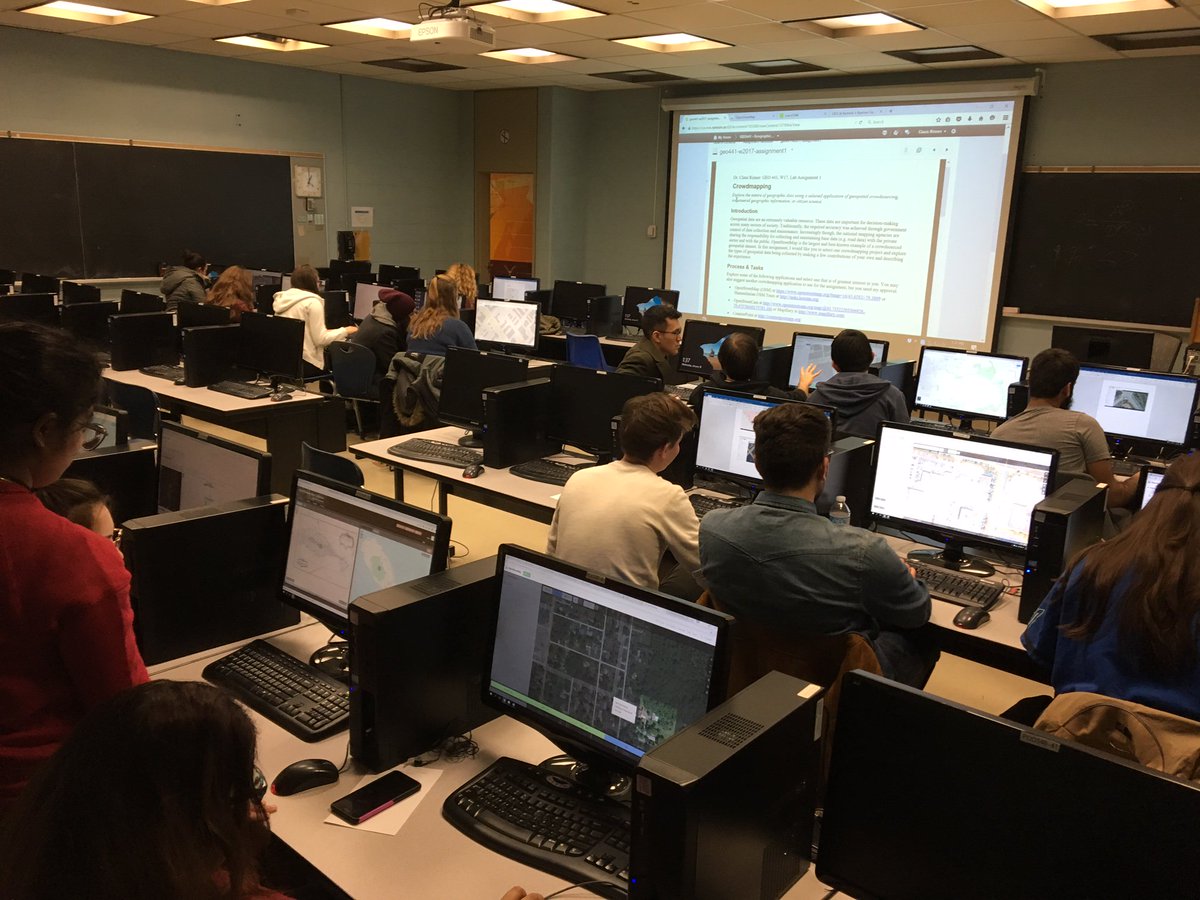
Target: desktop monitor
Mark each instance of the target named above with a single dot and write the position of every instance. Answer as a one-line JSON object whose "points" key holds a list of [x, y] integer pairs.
{"points": [[933, 800], [570, 299], [260, 277], [88, 322], [507, 325], [702, 340], [639, 299], [192, 315], [814, 350], [1140, 406], [606, 670], [138, 340], [115, 423], [337, 309], [583, 403], [1105, 346], [967, 384], [264, 298], [365, 296], [197, 469], [77, 292], [1150, 482], [29, 308], [272, 345], [38, 284], [8, 278], [344, 542], [959, 488], [139, 302], [389, 274], [466, 374], [507, 288]]}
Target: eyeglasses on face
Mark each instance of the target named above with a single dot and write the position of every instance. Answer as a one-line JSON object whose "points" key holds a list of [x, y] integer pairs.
{"points": [[677, 332], [98, 433]]}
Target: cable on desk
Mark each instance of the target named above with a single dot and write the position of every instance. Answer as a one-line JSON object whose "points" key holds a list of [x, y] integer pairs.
{"points": [[453, 749], [345, 759], [466, 551], [572, 887]]}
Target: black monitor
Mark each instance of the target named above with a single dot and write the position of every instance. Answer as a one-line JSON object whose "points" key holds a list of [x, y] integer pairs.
{"points": [[505, 287], [583, 403], [510, 325], [264, 298], [810, 349], [192, 315], [967, 384], [466, 374], [606, 670], [197, 469], [1105, 346], [138, 340], [344, 542], [272, 345], [570, 299], [389, 274], [337, 309], [639, 299], [702, 340], [77, 292], [913, 778], [958, 488], [139, 302], [32, 283], [340, 267], [115, 423], [260, 277], [88, 322], [1147, 407], [39, 308], [365, 295], [8, 277]]}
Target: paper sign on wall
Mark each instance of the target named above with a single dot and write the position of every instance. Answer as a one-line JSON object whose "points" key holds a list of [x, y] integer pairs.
{"points": [[362, 216]]}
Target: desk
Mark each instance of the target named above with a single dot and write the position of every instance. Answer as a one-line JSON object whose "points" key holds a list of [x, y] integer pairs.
{"points": [[315, 418], [554, 346], [428, 858]]}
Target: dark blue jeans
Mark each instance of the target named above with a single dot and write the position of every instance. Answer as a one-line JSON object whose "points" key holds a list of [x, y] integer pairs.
{"points": [[907, 657]]}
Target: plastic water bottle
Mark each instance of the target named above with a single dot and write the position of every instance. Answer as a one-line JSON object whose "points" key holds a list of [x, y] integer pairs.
{"points": [[839, 513]]}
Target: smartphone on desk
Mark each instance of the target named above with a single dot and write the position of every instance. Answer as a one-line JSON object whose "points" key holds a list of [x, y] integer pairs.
{"points": [[372, 799]]}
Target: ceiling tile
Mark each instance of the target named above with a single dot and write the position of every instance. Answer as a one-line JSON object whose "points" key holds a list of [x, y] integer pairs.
{"points": [[978, 12], [44, 23], [1157, 20], [1058, 48], [905, 40], [982, 35], [786, 10], [695, 18], [146, 37], [602, 26]]}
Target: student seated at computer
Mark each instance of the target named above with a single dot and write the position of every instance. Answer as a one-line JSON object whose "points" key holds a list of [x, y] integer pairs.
{"points": [[187, 283], [662, 335], [466, 282], [302, 301], [777, 562], [234, 290], [437, 326], [383, 332], [78, 500], [862, 400], [621, 519], [66, 626], [734, 371], [1048, 421]]}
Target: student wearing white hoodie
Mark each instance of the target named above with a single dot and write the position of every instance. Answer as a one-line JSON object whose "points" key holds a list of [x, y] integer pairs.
{"points": [[301, 301]]}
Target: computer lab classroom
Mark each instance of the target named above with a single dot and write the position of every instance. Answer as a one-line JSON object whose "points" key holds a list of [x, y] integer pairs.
{"points": [[127, 139]]}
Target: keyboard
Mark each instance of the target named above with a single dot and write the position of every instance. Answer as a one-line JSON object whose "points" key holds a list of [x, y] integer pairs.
{"points": [[241, 389], [547, 471], [171, 373], [624, 338], [706, 503], [1128, 466], [933, 423], [682, 391], [965, 590], [292, 694], [523, 812], [436, 452]]}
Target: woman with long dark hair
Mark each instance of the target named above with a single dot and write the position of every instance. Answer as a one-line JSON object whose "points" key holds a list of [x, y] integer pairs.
{"points": [[1123, 621]]}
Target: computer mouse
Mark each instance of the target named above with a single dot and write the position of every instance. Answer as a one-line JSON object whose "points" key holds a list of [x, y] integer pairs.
{"points": [[180, 382], [971, 617], [304, 775], [474, 470], [279, 395]]}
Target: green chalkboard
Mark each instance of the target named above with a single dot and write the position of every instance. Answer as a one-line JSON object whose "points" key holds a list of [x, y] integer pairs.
{"points": [[1118, 246]]}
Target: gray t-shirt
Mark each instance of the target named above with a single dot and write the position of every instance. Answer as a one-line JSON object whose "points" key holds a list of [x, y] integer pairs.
{"points": [[1076, 436]]}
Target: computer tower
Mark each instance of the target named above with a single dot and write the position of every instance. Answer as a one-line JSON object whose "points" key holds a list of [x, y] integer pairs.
{"points": [[209, 354], [1066, 522], [417, 662], [515, 419], [724, 809], [851, 474], [1018, 398], [604, 315]]}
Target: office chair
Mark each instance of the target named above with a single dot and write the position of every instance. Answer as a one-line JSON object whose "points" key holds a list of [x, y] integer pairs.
{"points": [[331, 465], [353, 370], [141, 404], [584, 350]]}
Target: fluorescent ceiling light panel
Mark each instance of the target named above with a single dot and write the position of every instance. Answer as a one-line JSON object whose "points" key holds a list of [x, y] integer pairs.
{"points": [[83, 12], [638, 76], [535, 10], [528, 55], [863, 25], [1151, 40], [262, 41], [382, 28], [775, 67], [677, 42], [409, 64], [1067, 9], [961, 53]]}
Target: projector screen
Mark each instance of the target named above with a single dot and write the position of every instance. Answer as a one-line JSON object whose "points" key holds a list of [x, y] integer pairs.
{"points": [[889, 217]]}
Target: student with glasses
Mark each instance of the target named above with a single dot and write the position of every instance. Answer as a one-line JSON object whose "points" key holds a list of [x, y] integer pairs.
{"points": [[66, 626], [662, 330]]}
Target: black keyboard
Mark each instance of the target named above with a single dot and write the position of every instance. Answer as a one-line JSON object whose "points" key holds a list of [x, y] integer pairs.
{"points": [[241, 389], [933, 423], [682, 391], [547, 471], [436, 452], [524, 813], [705, 503], [965, 590], [624, 338], [1130, 465], [171, 373], [292, 694]]}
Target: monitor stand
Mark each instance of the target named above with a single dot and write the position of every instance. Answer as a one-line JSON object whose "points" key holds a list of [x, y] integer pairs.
{"points": [[597, 780], [952, 557], [333, 659], [473, 438]]}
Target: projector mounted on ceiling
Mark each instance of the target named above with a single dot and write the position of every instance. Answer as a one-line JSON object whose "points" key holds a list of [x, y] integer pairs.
{"points": [[455, 28]]}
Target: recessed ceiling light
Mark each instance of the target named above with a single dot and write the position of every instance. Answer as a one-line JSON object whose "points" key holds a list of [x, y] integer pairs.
{"points": [[1151, 40], [528, 55], [218, 2], [408, 64], [383, 28], [262, 41], [535, 10], [962, 53], [83, 12], [862, 25], [638, 76], [775, 67], [1067, 9], [677, 42]]}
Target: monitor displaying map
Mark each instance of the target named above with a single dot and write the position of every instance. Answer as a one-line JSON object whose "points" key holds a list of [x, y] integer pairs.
{"points": [[507, 324], [965, 383]]}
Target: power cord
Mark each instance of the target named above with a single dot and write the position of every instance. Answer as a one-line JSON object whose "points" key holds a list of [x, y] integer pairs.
{"points": [[453, 749], [580, 884]]}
